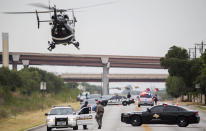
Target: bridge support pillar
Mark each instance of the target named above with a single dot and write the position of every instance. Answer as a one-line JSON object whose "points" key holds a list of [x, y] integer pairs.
{"points": [[25, 63], [5, 55], [15, 61], [105, 78]]}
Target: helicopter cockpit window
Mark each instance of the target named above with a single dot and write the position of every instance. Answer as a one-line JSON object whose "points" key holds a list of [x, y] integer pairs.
{"points": [[66, 17]]}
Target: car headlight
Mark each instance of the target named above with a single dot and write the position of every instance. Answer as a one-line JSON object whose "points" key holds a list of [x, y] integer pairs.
{"points": [[50, 120], [71, 119]]}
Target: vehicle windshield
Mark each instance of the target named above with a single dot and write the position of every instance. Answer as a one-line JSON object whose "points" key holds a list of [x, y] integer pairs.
{"points": [[91, 101], [61, 111], [106, 97], [94, 96]]}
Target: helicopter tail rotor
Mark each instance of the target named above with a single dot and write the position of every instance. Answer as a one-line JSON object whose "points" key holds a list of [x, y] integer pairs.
{"points": [[37, 16]]}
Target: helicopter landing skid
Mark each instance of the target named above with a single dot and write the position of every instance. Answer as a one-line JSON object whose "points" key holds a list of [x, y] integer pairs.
{"points": [[51, 46], [76, 44]]}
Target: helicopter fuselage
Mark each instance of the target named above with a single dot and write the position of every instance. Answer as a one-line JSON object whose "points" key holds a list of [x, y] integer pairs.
{"points": [[62, 31]]}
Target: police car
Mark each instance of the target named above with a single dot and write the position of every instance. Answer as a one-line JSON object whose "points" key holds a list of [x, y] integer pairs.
{"points": [[162, 114], [65, 116], [117, 99], [145, 99]]}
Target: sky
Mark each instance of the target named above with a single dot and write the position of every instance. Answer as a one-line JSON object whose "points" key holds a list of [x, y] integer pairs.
{"points": [[125, 27]]}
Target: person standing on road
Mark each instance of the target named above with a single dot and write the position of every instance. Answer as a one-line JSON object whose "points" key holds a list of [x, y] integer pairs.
{"points": [[86, 96], [128, 95], [85, 111], [99, 114], [155, 99]]}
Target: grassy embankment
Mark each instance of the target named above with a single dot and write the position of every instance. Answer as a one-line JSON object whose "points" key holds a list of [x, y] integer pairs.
{"points": [[196, 105], [23, 112]]}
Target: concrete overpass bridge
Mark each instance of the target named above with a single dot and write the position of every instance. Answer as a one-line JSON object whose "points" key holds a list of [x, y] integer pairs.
{"points": [[104, 61], [116, 61], [115, 77]]}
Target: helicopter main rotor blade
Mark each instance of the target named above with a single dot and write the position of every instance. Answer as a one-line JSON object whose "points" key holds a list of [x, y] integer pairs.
{"points": [[94, 5], [45, 21], [40, 5], [29, 12]]}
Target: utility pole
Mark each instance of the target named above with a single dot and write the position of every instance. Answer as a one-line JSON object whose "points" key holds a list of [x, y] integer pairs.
{"points": [[200, 47], [197, 46], [192, 50], [195, 52]]}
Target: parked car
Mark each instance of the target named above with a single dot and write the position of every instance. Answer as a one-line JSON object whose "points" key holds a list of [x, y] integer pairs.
{"points": [[94, 96], [118, 99], [104, 99], [65, 116]]}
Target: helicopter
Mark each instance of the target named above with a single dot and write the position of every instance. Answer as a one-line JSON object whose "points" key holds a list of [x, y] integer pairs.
{"points": [[63, 26]]}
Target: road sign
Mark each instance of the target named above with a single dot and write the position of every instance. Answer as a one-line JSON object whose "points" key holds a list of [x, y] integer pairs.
{"points": [[43, 86], [197, 86]]}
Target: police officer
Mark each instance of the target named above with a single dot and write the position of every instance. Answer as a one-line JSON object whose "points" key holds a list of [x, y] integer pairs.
{"points": [[128, 95], [155, 99], [85, 111], [99, 114]]}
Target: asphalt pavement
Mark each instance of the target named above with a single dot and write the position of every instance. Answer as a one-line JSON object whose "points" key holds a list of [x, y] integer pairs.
{"points": [[112, 122]]}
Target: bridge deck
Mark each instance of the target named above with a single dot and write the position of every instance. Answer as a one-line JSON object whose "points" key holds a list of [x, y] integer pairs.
{"points": [[87, 60], [115, 77]]}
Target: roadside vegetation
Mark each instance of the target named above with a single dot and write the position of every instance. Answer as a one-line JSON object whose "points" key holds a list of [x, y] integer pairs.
{"points": [[184, 73], [20, 91], [93, 89]]}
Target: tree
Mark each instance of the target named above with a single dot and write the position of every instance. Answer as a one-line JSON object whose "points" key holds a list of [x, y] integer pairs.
{"points": [[201, 78], [177, 62], [92, 88], [175, 86], [30, 80], [10, 79], [179, 65]]}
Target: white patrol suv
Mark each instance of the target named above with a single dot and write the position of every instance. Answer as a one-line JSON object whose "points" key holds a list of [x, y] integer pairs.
{"points": [[65, 116], [145, 99]]}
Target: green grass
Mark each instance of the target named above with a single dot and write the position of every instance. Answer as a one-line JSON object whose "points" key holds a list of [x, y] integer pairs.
{"points": [[201, 107], [16, 103], [29, 119]]}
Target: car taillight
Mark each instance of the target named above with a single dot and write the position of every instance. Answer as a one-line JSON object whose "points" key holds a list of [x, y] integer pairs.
{"points": [[165, 104], [196, 114], [152, 99], [138, 99]]}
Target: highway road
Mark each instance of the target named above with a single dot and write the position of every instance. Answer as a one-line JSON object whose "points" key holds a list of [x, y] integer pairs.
{"points": [[112, 122]]}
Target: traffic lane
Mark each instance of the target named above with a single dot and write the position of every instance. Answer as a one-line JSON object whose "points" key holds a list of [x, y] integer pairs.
{"points": [[111, 120], [90, 127], [164, 127], [202, 117]]}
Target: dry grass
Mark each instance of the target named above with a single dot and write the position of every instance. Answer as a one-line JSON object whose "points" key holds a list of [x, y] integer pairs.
{"points": [[27, 120]]}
